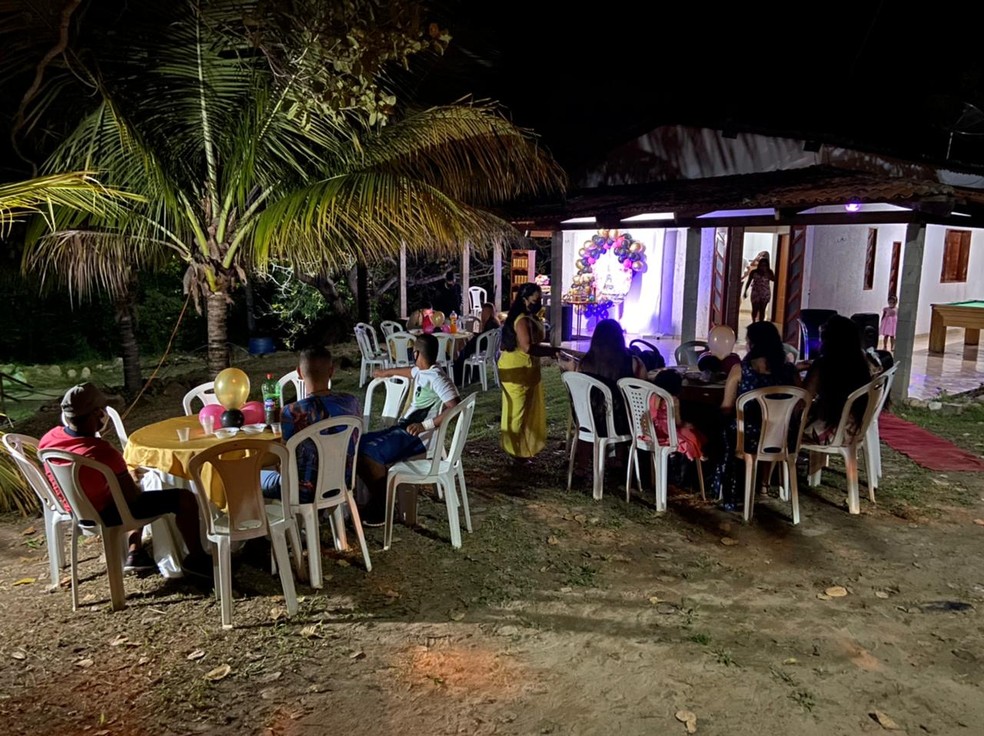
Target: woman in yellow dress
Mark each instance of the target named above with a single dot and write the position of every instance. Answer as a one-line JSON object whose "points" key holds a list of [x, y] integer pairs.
{"points": [[524, 410]]}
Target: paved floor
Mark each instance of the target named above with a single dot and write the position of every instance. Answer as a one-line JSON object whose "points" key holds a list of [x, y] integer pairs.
{"points": [[953, 372]]}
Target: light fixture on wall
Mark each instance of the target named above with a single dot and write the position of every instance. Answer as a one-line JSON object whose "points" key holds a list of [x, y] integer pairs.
{"points": [[853, 205]]}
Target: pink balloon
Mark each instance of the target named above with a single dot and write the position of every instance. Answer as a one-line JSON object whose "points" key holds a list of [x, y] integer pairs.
{"points": [[253, 412], [212, 410]]}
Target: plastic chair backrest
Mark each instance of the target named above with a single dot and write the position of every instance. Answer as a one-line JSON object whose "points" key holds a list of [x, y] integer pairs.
{"points": [[890, 375], [566, 361], [778, 405], [444, 346], [238, 464], [17, 445], [791, 353], [640, 398], [460, 416], [299, 388], [400, 344], [477, 296], [396, 388], [204, 392], [388, 327], [874, 391], [688, 352], [580, 386], [470, 323], [333, 438], [118, 428], [65, 467], [486, 346], [372, 341]]}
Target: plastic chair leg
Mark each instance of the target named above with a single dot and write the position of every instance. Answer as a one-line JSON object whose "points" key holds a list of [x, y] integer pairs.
{"points": [[792, 489], [278, 539], [598, 470], [390, 512], [485, 377], [312, 532], [851, 466], [359, 533], [225, 581], [54, 539], [338, 529], [451, 501], [659, 459], [749, 486], [628, 470], [294, 537], [112, 541], [870, 467], [700, 479], [463, 492], [817, 464], [75, 567]]}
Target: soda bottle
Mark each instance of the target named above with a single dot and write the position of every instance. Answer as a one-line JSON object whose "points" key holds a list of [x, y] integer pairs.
{"points": [[454, 323], [271, 400]]}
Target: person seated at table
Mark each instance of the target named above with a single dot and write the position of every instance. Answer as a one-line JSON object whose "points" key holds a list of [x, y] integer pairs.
{"points": [[764, 365], [83, 416], [433, 395], [840, 369], [315, 366], [488, 322], [608, 360], [690, 440]]}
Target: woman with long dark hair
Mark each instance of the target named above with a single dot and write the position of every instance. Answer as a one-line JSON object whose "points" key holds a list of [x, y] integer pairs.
{"points": [[840, 369], [524, 411], [608, 360], [764, 365]]}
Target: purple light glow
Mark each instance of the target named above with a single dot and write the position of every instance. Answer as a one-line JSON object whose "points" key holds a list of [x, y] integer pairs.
{"points": [[853, 206]]}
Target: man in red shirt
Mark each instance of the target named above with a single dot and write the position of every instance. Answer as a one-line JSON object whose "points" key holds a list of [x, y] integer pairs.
{"points": [[83, 417]]}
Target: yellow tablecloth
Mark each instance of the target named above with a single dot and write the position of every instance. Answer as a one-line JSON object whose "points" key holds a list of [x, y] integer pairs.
{"points": [[157, 446]]}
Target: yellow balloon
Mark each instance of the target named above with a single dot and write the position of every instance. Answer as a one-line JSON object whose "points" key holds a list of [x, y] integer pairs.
{"points": [[232, 388], [437, 318]]}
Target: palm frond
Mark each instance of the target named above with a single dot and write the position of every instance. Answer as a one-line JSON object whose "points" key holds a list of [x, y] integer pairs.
{"points": [[77, 191], [367, 216]]}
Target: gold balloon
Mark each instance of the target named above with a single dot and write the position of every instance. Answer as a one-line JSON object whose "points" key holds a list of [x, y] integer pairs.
{"points": [[637, 247], [232, 388], [437, 318], [603, 232]]}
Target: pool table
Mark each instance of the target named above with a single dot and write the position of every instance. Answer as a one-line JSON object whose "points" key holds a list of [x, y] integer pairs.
{"points": [[969, 315]]}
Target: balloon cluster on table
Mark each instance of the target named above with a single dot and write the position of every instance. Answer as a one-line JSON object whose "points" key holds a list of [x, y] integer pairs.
{"points": [[720, 346], [232, 391]]}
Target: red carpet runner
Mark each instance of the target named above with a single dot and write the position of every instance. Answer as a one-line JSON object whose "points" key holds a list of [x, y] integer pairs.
{"points": [[925, 448]]}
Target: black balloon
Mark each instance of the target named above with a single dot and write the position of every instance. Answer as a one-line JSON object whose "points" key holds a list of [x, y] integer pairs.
{"points": [[232, 418]]}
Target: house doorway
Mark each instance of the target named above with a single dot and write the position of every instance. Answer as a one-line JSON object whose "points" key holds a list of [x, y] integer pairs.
{"points": [[773, 243]]}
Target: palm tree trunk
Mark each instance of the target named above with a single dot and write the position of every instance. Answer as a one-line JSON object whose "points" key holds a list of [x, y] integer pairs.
{"points": [[362, 294], [126, 319], [217, 311]]}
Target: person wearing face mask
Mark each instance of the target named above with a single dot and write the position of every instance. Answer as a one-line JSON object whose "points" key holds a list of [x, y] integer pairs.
{"points": [[524, 411], [83, 417]]}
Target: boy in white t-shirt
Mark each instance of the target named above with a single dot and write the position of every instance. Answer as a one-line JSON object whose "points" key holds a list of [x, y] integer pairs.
{"points": [[434, 394]]}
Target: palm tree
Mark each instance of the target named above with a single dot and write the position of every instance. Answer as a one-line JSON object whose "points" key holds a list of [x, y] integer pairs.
{"points": [[236, 170], [78, 191]]}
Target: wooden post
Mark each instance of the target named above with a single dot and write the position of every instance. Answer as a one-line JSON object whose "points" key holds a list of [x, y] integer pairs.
{"points": [[691, 285], [556, 288], [912, 265], [497, 275], [465, 307], [403, 279]]}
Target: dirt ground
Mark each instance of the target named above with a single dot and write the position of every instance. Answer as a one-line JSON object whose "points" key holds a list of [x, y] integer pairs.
{"points": [[559, 615]]}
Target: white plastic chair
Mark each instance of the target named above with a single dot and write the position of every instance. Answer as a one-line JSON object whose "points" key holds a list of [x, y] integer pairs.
{"points": [[389, 326], [477, 297], [332, 489], [470, 323], [872, 440], [847, 444], [778, 405], [117, 420], [637, 395], [400, 346], [238, 464], [792, 353], [396, 388], [484, 357], [444, 469], [299, 389], [445, 352], [579, 387], [365, 337], [57, 518], [688, 352], [204, 392], [64, 467]]}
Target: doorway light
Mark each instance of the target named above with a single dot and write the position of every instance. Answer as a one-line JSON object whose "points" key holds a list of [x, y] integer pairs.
{"points": [[650, 216], [578, 221]]}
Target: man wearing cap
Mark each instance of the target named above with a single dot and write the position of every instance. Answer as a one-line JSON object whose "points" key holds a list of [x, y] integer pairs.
{"points": [[83, 417]]}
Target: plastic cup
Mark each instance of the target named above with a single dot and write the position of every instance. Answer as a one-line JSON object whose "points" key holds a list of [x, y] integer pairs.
{"points": [[275, 426], [208, 424], [184, 433]]}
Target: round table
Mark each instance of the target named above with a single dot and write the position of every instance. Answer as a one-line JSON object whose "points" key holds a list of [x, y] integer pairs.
{"points": [[458, 339], [157, 446]]}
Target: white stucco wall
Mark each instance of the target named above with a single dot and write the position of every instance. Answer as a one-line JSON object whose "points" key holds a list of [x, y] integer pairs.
{"points": [[704, 295]]}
